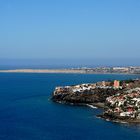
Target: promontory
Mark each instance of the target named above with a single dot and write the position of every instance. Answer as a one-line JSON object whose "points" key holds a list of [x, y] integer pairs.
{"points": [[120, 100]]}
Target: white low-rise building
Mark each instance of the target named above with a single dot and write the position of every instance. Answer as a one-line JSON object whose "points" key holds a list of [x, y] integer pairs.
{"points": [[127, 114]]}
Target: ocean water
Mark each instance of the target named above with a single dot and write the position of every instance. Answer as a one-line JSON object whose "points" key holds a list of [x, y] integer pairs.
{"points": [[27, 113]]}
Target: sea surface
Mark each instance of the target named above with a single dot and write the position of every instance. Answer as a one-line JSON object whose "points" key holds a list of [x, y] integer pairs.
{"points": [[27, 113]]}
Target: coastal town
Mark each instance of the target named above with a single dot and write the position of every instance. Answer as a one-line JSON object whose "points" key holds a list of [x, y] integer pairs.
{"points": [[81, 70], [124, 105], [126, 70], [119, 99]]}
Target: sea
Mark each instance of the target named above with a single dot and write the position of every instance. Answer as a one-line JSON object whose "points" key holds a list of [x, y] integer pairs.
{"points": [[27, 112]]}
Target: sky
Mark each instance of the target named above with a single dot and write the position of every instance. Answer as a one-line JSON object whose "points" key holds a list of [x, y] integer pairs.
{"points": [[93, 32]]}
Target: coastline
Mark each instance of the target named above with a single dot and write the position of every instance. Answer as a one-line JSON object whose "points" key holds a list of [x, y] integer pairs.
{"points": [[117, 120], [42, 71], [101, 116], [65, 71], [120, 102]]}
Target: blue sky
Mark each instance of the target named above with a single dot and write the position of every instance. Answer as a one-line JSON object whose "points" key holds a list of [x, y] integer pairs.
{"points": [[70, 30]]}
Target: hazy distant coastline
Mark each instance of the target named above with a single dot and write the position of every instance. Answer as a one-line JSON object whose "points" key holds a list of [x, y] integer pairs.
{"points": [[42, 71], [84, 70]]}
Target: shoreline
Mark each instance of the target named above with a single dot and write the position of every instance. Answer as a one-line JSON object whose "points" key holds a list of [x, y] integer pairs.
{"points": [[117, 120], [65, 71], [119, 104], [101, 106], [42, 71], [101, 116]]}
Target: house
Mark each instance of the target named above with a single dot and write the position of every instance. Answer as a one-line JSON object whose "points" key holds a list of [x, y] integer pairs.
{"points": [[116, 84]]}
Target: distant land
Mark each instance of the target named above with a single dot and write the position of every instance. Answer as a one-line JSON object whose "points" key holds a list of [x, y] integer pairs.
{"points": [[43, 71], [84, 70]]}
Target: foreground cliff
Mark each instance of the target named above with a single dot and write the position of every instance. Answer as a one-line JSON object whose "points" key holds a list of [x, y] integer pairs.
{"points": [[83, 94], [120, 100]]}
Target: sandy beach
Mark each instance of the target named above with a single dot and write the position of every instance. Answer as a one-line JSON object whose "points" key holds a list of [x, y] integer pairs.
{"points": [[42, 71]]}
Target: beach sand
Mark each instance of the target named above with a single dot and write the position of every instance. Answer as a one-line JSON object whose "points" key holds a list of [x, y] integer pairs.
{"points": [[42, 71]]}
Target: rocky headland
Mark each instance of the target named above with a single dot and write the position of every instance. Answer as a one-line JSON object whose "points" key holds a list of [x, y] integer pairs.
{"points": [[82, 94], [120, 100]]}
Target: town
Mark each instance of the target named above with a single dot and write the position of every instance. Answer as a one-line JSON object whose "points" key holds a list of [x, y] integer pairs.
{"points": [[127, 70], [120, 99], [124, 105]]}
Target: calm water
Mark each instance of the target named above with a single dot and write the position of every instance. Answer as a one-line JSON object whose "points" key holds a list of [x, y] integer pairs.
{"points": [[26, 113]]}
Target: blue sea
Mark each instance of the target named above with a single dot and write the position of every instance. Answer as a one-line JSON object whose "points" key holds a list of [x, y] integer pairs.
{"points": [[27, 113]]}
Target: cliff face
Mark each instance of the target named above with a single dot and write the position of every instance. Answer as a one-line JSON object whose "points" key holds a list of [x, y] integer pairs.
{"points": [[96, 95], [120, 104]]}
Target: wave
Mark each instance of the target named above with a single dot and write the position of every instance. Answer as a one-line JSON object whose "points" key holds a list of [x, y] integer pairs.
{"points": [[91, 106]]}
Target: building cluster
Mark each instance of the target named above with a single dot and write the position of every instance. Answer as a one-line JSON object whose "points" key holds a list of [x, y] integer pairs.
{"points": [[88, 88], [62, 90], [125, 105], [75, 89], [122, 101], [131, 70]]}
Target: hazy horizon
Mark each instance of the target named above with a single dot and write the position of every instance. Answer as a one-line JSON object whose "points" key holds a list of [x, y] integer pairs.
{"points": [[64, 63], [70, 33]]}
